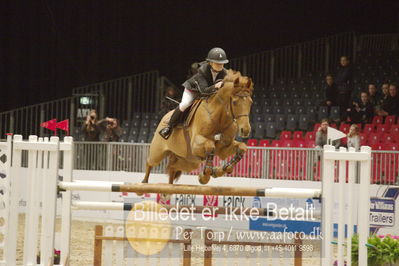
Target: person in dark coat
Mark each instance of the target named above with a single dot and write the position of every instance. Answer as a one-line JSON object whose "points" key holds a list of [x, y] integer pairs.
{"points": [[208, 79], [362, 111], [374, 95], [343, 79], [330, 91], [390, 106]]}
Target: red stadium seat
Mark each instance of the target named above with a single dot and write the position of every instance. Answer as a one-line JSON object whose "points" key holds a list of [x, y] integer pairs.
{"points": [[364, 139], [333, 125], [285, 135], [377, 120], [390, 120], [383, 128], [344, 128], [394, 129], [316, 126], [310, 143], [298, 135], [277, 143], [375, 138], [310, 136], [344, 141], [388, 138], [288, 143], [368, 128], [378, 146], [264, 143], [300, 143], [252, 142], [392, 146]]}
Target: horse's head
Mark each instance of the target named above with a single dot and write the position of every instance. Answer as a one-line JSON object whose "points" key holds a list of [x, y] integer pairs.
{"points": [[239, 89]]}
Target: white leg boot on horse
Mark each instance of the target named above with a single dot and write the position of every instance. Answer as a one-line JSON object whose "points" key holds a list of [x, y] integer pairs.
{"points": [[240, 149]]}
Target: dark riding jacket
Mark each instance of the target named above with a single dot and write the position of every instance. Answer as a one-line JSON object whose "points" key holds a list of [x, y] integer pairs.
{"points": [[202, 82]]}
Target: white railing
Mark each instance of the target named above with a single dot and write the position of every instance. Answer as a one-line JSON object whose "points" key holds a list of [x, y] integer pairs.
{"points": [[258, 162]]}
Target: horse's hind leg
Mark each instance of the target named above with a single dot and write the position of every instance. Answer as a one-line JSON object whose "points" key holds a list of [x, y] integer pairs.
{"points": [[174, 175], [147, 173], [154, 159], [173, 172]]}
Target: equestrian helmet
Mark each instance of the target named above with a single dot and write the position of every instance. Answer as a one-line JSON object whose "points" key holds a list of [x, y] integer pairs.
{"points": [[217, 55]]}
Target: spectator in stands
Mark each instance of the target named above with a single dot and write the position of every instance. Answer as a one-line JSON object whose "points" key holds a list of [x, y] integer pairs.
{"points": [[170, 101], [390, 105], [361, 111], [343, 79], [353, 137], [374, 95], [384, 91], [112, 129], [330, 91], [321, 135], [91, 128]]}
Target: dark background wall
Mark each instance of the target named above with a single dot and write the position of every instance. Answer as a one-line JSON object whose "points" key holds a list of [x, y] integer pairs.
{"points": [[47, 47]]}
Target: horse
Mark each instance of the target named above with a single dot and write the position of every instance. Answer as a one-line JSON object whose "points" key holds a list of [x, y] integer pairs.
{"points": [[211, 132]]}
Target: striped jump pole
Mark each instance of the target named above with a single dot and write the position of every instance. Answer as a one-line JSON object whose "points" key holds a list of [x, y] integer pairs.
{"points": [[193, 190]]}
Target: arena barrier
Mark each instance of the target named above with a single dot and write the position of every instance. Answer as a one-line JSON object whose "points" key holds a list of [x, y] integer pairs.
{"points": [[43, 165]]}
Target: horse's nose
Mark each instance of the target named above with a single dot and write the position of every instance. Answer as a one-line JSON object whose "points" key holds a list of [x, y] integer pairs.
{"points": [[244, 133]]}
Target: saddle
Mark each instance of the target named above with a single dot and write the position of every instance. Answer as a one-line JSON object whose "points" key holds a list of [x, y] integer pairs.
{"points": [[188, 114]]}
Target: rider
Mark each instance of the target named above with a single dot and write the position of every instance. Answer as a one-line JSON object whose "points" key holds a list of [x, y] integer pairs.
{"points": [[208, 79]]}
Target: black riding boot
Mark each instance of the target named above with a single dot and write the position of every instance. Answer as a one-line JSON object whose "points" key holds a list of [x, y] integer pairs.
{"points": [[174, 119]]}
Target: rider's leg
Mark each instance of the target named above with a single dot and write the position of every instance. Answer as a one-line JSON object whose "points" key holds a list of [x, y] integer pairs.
{"points": [[186, 101]]}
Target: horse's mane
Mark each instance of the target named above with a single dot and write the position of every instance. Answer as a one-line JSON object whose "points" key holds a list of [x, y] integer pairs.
{"points": [[235, 83]]}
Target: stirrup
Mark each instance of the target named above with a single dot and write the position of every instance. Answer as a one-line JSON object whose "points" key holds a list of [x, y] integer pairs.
{"points": [[165, 132]]}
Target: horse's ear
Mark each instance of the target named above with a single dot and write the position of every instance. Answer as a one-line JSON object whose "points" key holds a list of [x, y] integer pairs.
{"points": [[237, 82], [249, 83]]}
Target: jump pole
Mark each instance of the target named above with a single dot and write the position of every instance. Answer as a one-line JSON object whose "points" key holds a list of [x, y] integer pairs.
{"points": [[193, 190]]}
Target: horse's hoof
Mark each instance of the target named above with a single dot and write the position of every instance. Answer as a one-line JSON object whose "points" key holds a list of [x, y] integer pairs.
{"points": [[217, 171], [203, 179], [229, 170]]}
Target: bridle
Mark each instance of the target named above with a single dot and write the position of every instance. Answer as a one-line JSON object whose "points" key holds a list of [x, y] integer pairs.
{"points": [[231, 111], [234, 117]]}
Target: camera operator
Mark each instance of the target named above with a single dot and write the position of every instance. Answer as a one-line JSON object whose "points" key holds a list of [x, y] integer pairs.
{"points": [[112, 129], [90, 127]]}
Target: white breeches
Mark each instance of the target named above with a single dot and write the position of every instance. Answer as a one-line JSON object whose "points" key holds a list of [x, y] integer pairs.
{"points": [[187, 99]]}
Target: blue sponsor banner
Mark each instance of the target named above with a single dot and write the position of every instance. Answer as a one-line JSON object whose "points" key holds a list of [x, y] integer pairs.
{"points": [[278, 225], [306, 227], [382, 212]]}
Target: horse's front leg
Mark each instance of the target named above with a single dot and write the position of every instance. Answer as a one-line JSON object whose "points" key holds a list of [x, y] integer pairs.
{"points": [[240, 149], [204, 147]]}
